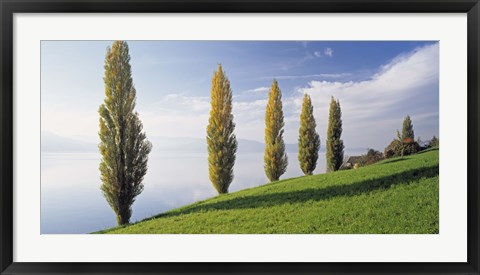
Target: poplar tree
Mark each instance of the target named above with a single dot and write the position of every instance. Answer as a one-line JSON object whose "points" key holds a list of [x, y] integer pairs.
{"points": [[407, 139], [334, 143], [123, 145], [221, 140], [308, 139], [275, 157], [407, 129]]}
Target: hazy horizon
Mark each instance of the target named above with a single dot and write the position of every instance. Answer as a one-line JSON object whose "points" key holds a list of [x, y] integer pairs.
{"points": [[51, 143]]}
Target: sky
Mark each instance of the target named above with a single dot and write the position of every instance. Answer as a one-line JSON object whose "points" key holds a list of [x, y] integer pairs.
{"points": [[377, 83]]}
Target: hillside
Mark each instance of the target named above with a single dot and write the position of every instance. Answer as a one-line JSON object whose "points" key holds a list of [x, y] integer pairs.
{"points": [[393, 196]]}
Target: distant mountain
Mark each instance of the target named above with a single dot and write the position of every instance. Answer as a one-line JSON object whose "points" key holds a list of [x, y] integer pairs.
{"points": [[178, 144], [54, 143], [244, 145], [200, 145]]}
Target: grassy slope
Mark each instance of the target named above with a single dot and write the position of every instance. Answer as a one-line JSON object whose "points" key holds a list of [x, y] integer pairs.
{"points": [[393, 196]]}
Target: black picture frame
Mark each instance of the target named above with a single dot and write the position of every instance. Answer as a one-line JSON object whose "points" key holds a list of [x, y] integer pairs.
{"points": [[7, 140]]}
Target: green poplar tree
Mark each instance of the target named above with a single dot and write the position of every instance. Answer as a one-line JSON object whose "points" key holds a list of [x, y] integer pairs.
{"points": [[221, 140], [123, 145], [308, 139], [334, 143], [407, 139], [407, 129], [275, 157]]}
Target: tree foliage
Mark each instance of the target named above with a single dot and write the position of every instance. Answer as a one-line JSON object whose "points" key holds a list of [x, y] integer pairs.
{"points": [[409, 145], [221, 140], [394, 149], [407, 129], [372, 156], [335, 146], [434, 142], [275, 157], [308, 139], [404, 144], [123, 145]]}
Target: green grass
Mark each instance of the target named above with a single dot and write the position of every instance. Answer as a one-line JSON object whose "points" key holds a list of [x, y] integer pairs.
{"points": [[393, 196]]}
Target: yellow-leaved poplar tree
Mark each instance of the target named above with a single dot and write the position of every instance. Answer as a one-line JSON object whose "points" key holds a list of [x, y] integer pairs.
{"points": [[308, 138], [221, 140], [123, 145], [275, 158]]}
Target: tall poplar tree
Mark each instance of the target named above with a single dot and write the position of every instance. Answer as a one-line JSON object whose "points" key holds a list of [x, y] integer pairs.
{"points": [[275, 157], [221, 140], [123, 145], [308, 139], [334, 143]]}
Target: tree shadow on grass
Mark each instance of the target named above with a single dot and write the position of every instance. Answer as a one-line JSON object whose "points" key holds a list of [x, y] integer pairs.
{"points": [[311, 194], [406, 157], [428, 150], [393, 160]]}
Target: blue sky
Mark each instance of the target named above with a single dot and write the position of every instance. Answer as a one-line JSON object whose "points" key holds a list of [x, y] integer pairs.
{"points": [[377, 83]]}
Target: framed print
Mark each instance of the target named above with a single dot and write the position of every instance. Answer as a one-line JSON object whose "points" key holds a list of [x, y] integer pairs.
{"points": [[250, 137]]}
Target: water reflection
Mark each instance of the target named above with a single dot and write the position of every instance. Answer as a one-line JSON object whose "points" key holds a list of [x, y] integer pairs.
{"points": [[72, 202]]}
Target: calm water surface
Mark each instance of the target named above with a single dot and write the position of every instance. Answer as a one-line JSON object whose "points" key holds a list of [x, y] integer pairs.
{"points": [[72, 202]]}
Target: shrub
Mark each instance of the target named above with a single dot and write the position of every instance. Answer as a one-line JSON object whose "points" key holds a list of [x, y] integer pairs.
{"points": [[434, 142], [370, 157], [398, 148], [393, 149]]}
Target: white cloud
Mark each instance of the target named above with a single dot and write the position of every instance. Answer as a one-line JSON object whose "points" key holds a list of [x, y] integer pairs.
{"points": [[334, 75], [180, 102], [247, 106], [258, 90], [373, 109], [249, 111], [296, 62], [328, 52], [176, 115], [293, 77]]}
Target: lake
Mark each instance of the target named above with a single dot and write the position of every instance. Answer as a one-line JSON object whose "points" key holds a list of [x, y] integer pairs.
{"points": [[72, 203]]}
